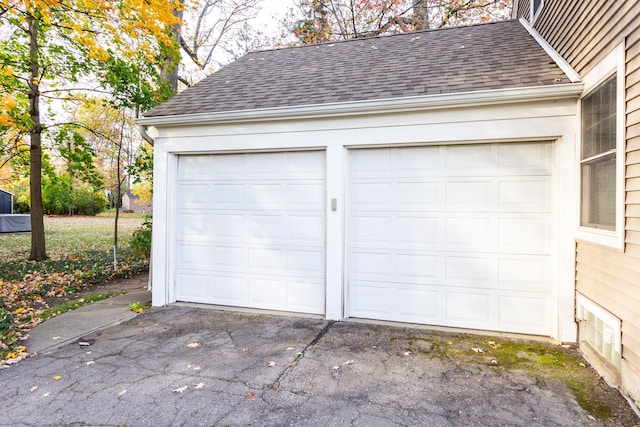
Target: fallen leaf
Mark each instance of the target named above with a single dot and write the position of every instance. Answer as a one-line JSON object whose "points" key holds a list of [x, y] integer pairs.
{"points": [[199, 385], [477, 350], [289, 348], [494, 362], [90, 362], [84, 344], [56, 338], [193, 345], [34, 388], [271, 364], [46, 394], [407, 353], [88, 352], [181, 389], [57, 377], [251, 394], [122, 393], [348, 362]]}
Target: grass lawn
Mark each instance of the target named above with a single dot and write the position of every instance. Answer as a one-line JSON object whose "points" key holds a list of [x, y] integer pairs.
{"points": [[81, 254]]}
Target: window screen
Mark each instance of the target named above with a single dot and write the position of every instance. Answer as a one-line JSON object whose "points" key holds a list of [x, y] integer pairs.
{"points": [[598, 159]]}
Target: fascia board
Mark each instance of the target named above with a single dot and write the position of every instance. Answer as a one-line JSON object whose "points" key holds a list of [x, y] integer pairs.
{"points": [[429, 102], [557, 58]]}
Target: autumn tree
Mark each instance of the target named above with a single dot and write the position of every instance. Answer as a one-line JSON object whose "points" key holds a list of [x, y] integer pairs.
{"points": [[56, 51], [332, 20], [208, 29]]}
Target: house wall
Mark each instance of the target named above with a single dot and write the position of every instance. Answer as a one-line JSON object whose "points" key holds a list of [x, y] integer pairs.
{"points": [[553, 120], [6, 202], [583, 33]]}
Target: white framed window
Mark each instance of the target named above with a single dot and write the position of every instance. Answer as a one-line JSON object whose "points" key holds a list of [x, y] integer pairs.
{"points": [[536, 7], [601, 153]]}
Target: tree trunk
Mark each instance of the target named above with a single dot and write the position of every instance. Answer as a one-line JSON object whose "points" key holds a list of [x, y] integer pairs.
{"points": [[38, 246], [421, 14]]}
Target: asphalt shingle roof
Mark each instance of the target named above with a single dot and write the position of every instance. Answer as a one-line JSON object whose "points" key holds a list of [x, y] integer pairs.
{"points": [[499, 55]]}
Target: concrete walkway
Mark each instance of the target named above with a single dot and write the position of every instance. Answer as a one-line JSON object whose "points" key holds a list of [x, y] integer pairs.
{"points": [[76, 324]]}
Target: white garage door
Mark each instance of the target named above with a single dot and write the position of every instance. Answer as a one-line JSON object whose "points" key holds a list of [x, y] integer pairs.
{"points": [[457, 235], [251, 230]]}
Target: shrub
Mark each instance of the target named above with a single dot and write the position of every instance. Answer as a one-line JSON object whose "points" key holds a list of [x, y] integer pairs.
{"points": [[61, 197], [141, 239]]}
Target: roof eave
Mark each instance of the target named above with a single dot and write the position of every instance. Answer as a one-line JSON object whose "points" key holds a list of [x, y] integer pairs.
{"points": [[426, 102]]}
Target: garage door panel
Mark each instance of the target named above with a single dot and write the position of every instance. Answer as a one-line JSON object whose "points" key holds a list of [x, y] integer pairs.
{"points": [[418, 161], [470, 308], [372, 300], [371, 265], [190, 195], [229, 196], [419, 232], [229, 290], [473, 237], [265, 165], [372, 195], [366, 230], [195, 287], [418, 268], [415, 195], [528, 314], [266, 260], [193, 226], [524, 273], [305, 229], [303, 197], [420, 302], [524, 234], [469, 233], [307, 262], [305, 164], [524, 195], [303, 296], [265, 227], [469, 195], [469, 160], [520, 159], [467, 269], [193, 254], [229, 227], [254, 231]]}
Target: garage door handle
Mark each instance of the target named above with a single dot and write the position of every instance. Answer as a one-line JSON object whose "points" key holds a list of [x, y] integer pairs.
{"points": [[334, 204]]}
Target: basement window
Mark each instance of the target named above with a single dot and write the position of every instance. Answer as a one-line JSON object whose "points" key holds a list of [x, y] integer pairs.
{"points": [[600, 330]]}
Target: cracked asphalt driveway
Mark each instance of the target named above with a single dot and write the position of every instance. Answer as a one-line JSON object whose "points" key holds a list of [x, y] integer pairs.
{"points": [[192, 366]]}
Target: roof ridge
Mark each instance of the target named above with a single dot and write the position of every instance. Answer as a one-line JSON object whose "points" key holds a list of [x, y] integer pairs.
{"points": [[380, 36]]}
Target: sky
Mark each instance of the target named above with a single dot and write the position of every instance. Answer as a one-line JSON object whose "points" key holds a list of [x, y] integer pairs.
{"points": [[272, 13]]}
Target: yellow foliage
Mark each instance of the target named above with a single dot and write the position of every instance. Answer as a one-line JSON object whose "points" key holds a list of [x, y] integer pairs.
{"points": [[144, 190]]}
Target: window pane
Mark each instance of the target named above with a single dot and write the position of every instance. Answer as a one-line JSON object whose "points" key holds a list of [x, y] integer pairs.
{"points": [[599, 109], [599, 119], [599, 193]]}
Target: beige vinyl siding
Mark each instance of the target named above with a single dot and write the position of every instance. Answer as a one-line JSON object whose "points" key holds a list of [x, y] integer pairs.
{"points": [[610, 279], [524, 9], [583, 33]]}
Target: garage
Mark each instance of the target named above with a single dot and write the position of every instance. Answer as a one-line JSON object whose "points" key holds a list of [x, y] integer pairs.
{"points": [[452, 235], [250, 230]]}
